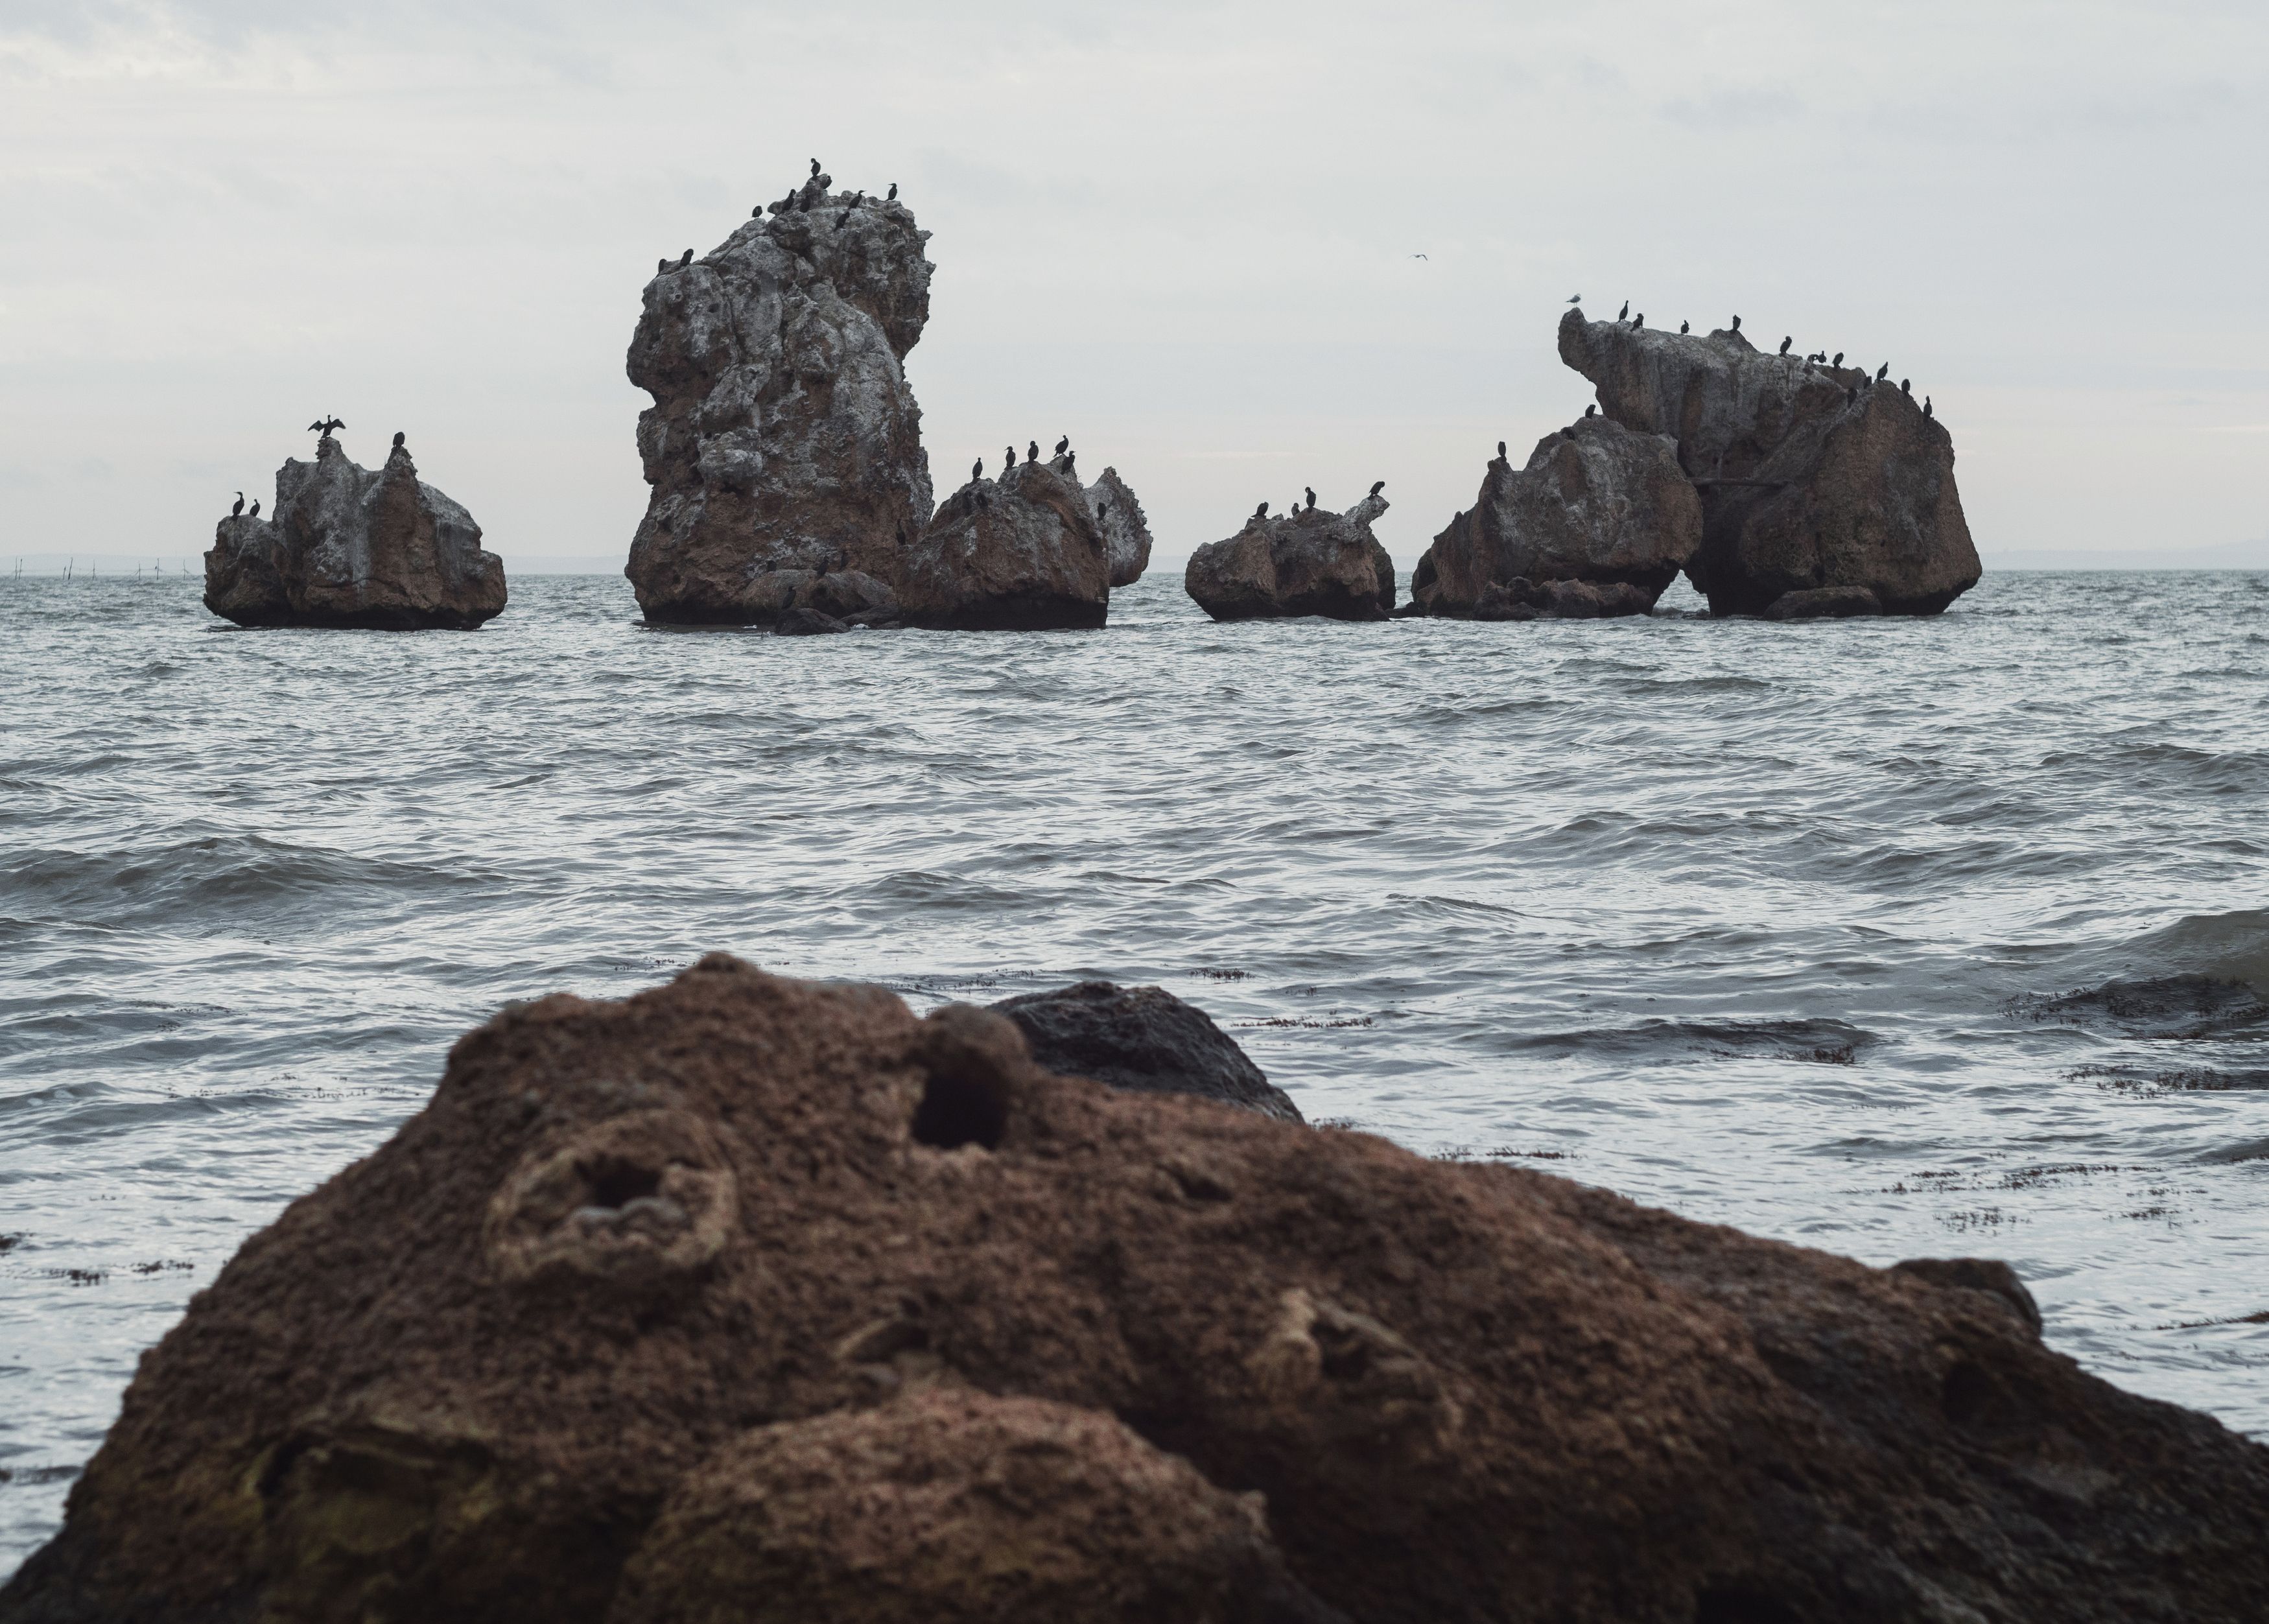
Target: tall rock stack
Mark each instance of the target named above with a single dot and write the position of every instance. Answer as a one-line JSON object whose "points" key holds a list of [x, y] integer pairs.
{"points": [[1815, 480], [349, 547], [784, 444]]}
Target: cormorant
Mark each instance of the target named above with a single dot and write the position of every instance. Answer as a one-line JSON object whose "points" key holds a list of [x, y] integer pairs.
{"points": [[843, 218], [1624, 313], [1906, 386], [1377, 486], [1032, 452], [893, 197], [1063, 445], [1310, 490], [660, 266], [1071, 464], [1500, 448], [255, 514], [1012, 460], [324, 426], [1593, 410], [1925, 405], [239, 508], [976, 470], [685, 259], [1784, 344], [1882, 372], [1682, 327], [858, 197], [1737, 324], [1640, 323], [815, 167], [397, 440], [1838, 361], [1261, 512]]}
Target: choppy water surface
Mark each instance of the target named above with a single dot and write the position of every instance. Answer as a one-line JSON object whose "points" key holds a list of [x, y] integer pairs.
{"points": [[1771, 925]]}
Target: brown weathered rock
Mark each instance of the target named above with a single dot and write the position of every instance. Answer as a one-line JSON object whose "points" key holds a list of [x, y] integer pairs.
{"points": [[1597, 503], [1125, 533], [951, 1507], [1811, 476], [1143, 1038], [783, 437], [1016, 553], [577, 1318], [347, 546], [1313, 561]]}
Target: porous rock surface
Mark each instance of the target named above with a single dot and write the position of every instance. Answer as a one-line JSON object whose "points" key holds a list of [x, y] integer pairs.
{"points": [[1126, 532], [345, 546], [1597, 503], [1311, 562], [1143, 1038], [724, 1278], [1811, 476], [1018, 553], [784, 440]]}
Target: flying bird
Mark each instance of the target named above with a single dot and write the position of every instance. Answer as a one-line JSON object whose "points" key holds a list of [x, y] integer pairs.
{"points": [[1063, 445], [1784, 344], [1417, 256], [239, 508]]}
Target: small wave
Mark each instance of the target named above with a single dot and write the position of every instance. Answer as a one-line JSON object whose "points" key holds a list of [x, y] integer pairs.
{"points": [[2169, 1006]]}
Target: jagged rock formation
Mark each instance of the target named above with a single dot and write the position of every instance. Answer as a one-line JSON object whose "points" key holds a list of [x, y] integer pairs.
{"points": [[347, 546], [1313, 561], [1811, 476], [1021, 552], [1125, 533], [783, 439], [771, 1288], [1598, 505], [1143, 1038]]}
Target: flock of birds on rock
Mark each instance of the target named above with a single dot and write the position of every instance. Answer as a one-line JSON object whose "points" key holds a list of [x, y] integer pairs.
{"points": [[799, 200], [324, 426], [1819, 357], [1031, 454], [1292, 509]]}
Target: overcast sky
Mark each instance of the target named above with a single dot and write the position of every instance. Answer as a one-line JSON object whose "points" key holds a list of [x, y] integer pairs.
{"points": [[1183, 234]]}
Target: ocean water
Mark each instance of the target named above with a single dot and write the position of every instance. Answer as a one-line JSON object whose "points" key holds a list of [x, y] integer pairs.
{"points": [[1896, 938]]}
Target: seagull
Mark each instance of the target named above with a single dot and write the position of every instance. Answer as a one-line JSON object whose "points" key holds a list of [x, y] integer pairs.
{"points": [[1925, 405], [1063, 445], [893, 197], [1575, 299], [1682, 327], [1784, 344], [239, 508], [397, 440], [1377, 486], [1417, 256]]}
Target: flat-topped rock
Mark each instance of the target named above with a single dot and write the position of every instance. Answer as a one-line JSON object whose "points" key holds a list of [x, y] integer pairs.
{"points": [[1016, 552], [1311, 562], [347, 546], [748, 1296], [783, 437], [1596, 504], [1811, 477], [1126, 532]]}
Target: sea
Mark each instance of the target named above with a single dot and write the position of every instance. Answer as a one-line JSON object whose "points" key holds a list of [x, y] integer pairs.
{"points": [[1896, 938]]}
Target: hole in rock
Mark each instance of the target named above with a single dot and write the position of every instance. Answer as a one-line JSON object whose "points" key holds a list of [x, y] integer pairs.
{"points": [[1739, 1604], [617, 1182], [957, 1111]]}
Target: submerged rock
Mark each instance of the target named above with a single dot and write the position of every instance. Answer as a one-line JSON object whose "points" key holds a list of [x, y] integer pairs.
{"points": [[348, 547], [1313, 561], [1143, 1038], [1125, 533], [1823, 603], [783, 438], [1810, 477], [1021, 552], [1598, 505], [754, 1297]]}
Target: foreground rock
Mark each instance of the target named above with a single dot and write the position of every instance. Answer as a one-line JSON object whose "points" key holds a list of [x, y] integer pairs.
{"points": [[1313, 561], [783, 440], [749, 1297], [1125, 533], [1018, 553], [1811, 476], [347, 546], [1143, 1038], [1597, 503]]}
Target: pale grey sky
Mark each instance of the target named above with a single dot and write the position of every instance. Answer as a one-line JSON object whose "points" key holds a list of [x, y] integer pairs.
{"points": [[1183, 234]]}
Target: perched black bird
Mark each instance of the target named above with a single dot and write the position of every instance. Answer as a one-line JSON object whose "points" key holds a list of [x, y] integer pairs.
{"points": [[858, 197], [1012, 460], [685, 259], [1640, 323], [1906, 386], [893, 197], [1784, 344], [1500, 448], [1377, 486], [323, 426], [977, 470], [239, 508], [1838, 361], [1682, 327], [1071, 463], [803, 202], [1882, 372], [660, 266], [1593, 410], [1925, 405], [256, 510], [815, 166], [1063, 445], [397, 440], [843, 218], [756, 213], [1737, 324], [1310, 490], [1624, 313], [1032, 452], [1261, 512]]}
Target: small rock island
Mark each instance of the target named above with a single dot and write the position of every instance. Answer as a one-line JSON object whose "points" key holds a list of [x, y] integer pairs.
{"points": [[346, 547], [1311, 561]]}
